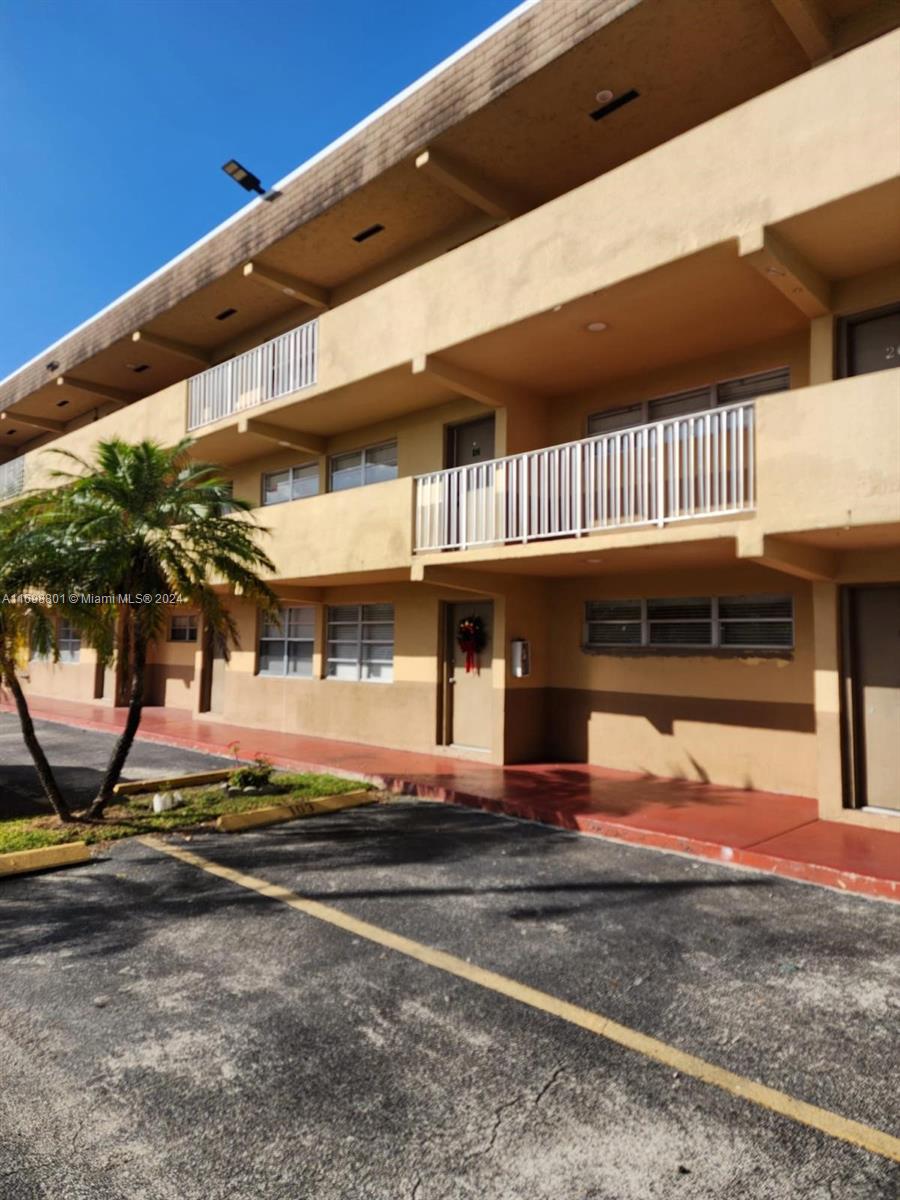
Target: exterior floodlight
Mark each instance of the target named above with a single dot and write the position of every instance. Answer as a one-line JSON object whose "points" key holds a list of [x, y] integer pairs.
{"points": [[245, 178]]}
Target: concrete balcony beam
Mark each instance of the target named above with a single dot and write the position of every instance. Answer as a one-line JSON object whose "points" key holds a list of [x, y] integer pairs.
{"points": [[791, 558], [298, 289], [786, 269], [281, 435], [171, 346], [475, 189], [47, 424], [98, 390], [810, 25], [471, 384]]}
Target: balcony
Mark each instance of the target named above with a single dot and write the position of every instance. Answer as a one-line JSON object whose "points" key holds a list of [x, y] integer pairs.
{"points": [[12, 478], [286, 364], [683, 469]]}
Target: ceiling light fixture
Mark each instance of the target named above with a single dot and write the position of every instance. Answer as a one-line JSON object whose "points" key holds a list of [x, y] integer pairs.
{"points": [[604, 96], [611, 105], [596, 326]]}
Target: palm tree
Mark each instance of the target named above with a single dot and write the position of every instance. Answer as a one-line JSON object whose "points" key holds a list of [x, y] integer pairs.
{"points": [[26, 627], [146, 523]]}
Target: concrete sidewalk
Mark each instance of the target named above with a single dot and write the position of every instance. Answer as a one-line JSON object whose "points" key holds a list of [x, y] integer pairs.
{"points": [[763, 830]]}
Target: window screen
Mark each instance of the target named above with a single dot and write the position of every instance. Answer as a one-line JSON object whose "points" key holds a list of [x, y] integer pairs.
{"points": [[756, 621], [286, 646], [69, 642], [374, 464], [695, 622], [293, 483], [361, 642], [183, 629]]}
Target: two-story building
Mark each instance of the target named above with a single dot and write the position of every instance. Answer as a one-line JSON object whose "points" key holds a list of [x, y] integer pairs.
{"points": [[591, 335]]}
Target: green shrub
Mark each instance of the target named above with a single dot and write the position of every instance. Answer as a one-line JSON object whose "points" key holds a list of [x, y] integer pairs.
{"points": [[256, 775]]}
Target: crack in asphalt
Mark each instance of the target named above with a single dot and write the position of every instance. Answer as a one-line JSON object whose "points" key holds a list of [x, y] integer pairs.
{"points": [[501, 1109]]}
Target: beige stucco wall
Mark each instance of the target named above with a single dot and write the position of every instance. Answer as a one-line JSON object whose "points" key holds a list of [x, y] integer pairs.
{"points": [[694, 192], [161, 417], [745, 721]]}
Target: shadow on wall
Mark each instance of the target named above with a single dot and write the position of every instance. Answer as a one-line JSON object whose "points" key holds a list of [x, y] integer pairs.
{"points": [[570, 710]]}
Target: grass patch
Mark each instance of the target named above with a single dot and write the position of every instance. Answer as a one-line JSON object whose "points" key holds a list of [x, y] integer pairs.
{"points": [[135, 814]]}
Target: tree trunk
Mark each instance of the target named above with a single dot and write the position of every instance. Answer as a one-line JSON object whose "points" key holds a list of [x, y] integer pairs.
{"points": [[39, 758], [138, 661]]}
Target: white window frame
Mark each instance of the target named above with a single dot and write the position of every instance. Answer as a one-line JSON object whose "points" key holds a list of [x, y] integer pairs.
{"points": [[357, 661], [363, 452], [284, 636], [186, 621], [643, 409], [302, 466], [68, 641], [715, 620]]}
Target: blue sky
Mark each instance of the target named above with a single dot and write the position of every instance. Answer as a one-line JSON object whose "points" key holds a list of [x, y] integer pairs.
{"points": [[116, 116]]}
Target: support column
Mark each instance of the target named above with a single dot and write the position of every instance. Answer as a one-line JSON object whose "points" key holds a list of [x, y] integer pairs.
{"points": [[827, 685]]}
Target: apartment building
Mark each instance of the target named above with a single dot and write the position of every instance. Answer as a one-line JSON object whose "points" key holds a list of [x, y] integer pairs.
{"points": [[567, 388]]}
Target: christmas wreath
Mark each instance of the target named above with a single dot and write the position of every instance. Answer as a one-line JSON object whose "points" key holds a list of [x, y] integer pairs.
{"points": [[471, 637]]}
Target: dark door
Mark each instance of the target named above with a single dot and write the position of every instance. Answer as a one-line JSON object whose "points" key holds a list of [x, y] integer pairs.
{"points": [[869, 341], [873, 668], [470, 443]]}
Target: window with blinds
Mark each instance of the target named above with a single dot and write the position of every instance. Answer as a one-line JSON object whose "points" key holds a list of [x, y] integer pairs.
{"points": [[694, 622], [683, 404], [361, 642]]}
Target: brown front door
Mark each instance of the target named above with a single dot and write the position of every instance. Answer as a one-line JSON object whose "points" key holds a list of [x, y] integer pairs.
{"points": [[212, 679], [469, 693], [872, 653], [869, 341], [470, 443]]}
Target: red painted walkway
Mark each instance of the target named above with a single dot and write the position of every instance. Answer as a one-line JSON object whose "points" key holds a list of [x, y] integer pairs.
{"points": [[764, 830]]}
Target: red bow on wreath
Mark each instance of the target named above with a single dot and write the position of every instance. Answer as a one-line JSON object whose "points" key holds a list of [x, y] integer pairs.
{"points": [[471, 637]]}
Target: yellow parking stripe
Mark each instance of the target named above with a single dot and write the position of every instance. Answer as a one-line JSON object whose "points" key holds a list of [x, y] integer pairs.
{"points": [[832, 1124]]}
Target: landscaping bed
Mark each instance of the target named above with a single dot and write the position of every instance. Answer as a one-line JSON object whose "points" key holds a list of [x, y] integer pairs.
{"points": [[200, 806]]}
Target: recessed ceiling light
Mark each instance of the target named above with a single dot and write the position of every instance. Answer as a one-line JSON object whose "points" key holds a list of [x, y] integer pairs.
{"points": [[596, 326], [604, 96]]}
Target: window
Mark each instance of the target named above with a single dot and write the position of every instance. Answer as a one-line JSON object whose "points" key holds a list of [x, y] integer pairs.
{"points": [[68, 640], [183, 629], [696, 622], [293, 483], [286, 646], [680, 404], [361, 642], [374, 464]]}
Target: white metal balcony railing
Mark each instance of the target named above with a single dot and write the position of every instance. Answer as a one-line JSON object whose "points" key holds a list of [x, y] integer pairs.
{"points": [[12, 478], [286, 364], [693, 466]]}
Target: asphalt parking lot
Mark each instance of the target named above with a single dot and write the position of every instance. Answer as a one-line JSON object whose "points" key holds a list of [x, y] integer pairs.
{"points": [[79, 758], [168, 1033]]}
